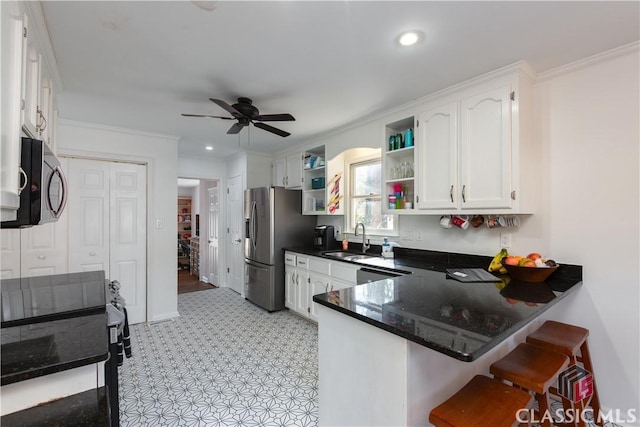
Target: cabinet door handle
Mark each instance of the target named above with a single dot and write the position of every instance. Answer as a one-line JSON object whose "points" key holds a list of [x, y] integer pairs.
{"points": [[42, 257], [92, 253], [464, 200], [23, 174], [451, 194]]}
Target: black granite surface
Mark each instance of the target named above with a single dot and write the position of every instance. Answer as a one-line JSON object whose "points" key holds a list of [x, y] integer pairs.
{"points": [[51, 324], [86, 409], [461, 320], [29, 300], [30, 351]]}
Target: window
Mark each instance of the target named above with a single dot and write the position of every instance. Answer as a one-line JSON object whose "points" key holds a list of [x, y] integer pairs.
{"points": [[365, 202]]}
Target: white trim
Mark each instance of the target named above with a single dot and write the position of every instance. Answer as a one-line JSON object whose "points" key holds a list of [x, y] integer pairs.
{"points": [[128, 131], [521, 66], [163, 317], [633, 47], [347, 228]]}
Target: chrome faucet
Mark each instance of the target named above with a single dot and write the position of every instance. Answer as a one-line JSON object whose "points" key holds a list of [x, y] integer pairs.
{"points": [[365, 241]]}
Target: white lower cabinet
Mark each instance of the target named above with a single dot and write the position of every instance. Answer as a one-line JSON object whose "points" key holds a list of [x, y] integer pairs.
{"points": [[318, 284], [290, 280], [306, 276]]}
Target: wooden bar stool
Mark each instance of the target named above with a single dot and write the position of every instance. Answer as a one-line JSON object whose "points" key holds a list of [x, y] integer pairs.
{"points": [[534, 369], [571, 341], [482, 402]]}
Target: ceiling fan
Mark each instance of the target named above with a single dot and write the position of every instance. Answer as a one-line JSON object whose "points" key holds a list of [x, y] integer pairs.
{"points": [[244, 112]]}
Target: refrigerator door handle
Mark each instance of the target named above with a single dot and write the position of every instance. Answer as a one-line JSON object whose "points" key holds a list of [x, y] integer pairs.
{"points": [[255, 267], [254, 225]]}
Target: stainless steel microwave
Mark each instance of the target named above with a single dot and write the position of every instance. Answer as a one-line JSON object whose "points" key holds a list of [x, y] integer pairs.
{"points": [[44, 186]]}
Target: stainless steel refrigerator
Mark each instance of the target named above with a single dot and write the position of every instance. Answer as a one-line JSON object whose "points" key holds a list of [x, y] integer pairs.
{"points": [[273, 221]]}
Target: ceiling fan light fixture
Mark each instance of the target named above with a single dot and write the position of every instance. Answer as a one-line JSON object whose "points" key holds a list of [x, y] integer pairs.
{"points": [[409, 38], [208, 148]]}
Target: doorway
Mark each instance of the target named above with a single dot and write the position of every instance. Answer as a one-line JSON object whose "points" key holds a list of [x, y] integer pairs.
{"points": [[196, 264]]}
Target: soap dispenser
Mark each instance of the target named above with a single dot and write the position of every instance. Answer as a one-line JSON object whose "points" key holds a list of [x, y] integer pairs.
{"points": [[386, 248]]}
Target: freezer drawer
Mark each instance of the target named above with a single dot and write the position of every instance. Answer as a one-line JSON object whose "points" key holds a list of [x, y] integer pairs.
{"points": [[261, 288]]}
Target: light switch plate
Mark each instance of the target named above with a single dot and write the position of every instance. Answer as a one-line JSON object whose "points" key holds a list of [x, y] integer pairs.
{"points": [[505, 240]]}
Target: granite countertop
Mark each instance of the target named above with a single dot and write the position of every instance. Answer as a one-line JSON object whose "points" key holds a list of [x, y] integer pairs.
{"points": [[428, 307], [51, 324], [30, 351], [29, 300]]}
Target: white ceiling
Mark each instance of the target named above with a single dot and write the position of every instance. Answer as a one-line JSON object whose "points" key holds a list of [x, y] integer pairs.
{"points": [[140, 64]]}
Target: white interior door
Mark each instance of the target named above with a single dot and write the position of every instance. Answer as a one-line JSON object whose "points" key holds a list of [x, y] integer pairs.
{"points": [[107, 226], [128, 237], [88, 209], [235, 222], [213, 231]]}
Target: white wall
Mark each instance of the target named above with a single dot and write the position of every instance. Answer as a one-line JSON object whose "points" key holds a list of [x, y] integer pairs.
{"points": [[160, 154], [587, 125], [588, 121]]}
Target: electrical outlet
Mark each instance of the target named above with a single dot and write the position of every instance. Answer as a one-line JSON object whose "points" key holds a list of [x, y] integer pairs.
{"points": [[505, 240], [418, 235], [406, 235]]}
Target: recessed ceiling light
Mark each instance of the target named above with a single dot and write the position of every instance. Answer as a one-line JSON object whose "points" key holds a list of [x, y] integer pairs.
{"points": [[208, 147], [409, 38]]}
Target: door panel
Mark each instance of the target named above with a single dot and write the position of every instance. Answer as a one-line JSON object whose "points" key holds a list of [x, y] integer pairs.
{"points": [[259, 284], [235, 221], [485, 145], [88, 210], [213, 231], [437, 155], [127, 223], [260, 240], [9, 253], [44, 249], [107, 216]]}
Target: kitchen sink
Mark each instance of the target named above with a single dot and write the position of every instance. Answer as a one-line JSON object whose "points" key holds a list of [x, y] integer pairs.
{"points": [[348, 256]]}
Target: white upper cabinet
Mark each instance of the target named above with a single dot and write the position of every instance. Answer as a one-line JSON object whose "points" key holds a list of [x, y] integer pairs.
{"points": [[485, 150], [475, 149], [287, 171], [32, 66], [11, 51]]}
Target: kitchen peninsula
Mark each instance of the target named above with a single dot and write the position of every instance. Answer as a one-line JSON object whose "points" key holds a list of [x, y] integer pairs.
{"points": [[54, 348], [389, 351]]}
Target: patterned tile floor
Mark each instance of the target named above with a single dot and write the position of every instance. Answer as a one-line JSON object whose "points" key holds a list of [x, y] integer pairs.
{"points": [[224, 362]]}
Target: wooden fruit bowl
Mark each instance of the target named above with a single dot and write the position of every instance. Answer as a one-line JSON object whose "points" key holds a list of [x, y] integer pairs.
{"points": [[529, 274]]}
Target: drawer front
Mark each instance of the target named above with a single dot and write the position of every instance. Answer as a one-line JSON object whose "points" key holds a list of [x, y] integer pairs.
{"points": [[302, 262], [343, 271], [320, 265], [290, 258]]}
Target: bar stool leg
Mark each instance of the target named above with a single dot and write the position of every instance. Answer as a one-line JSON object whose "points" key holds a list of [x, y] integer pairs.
{"points": [[585, 358]]}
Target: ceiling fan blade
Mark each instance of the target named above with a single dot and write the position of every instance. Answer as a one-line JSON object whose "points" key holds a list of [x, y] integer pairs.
{"points": [[204, 115], [274, 118], [235, 113], [235, 129], [271, 129]]}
